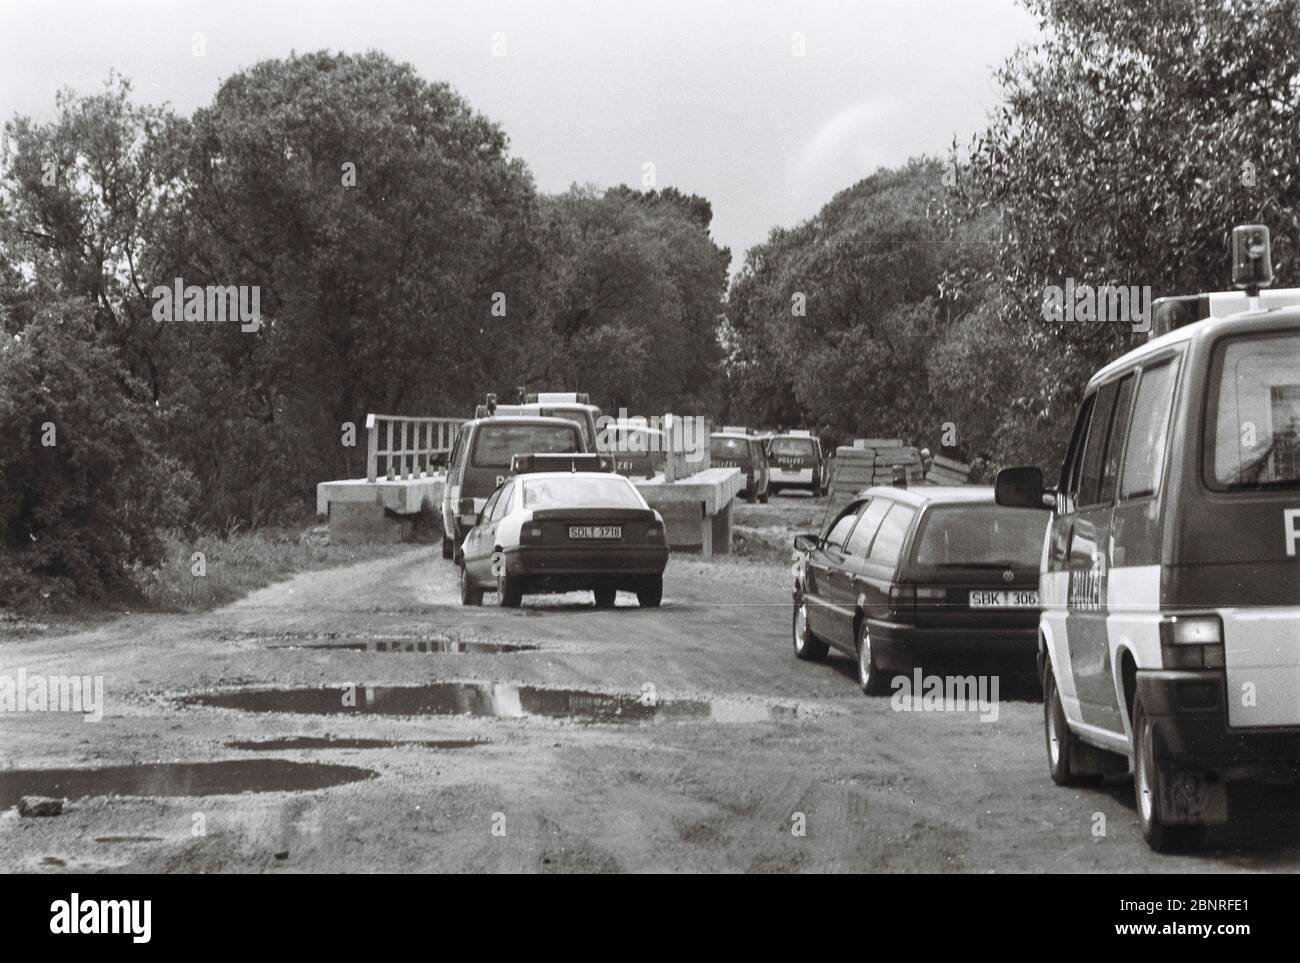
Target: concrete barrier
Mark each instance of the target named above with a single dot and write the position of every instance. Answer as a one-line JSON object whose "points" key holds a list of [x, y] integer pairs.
{"points": [[359, 510], [697, 510]]}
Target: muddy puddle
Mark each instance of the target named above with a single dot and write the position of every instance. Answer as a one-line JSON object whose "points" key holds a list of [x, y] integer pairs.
{"points": [[429, 646], [176, 779], [326, 742], [492, 700]]}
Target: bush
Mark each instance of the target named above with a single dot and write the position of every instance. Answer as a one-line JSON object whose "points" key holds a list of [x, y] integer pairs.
{"points": [[84, 489]]}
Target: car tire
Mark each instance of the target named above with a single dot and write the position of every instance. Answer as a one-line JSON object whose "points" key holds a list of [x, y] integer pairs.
{"points": [[470, 594], [773, 489], [1147, 782], [509, 592], [764, 497], [807, 646], [1056, 732], [448, 547], [870, 676], [650, 592], [605, 597]]}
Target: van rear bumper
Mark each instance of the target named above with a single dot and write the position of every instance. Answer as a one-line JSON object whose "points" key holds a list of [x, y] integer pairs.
{"points": [[1189, 714], [898, 646]]}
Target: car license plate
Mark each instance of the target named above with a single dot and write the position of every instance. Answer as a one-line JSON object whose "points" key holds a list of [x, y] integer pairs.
{"points": [[595, 531], [1016, 599]]}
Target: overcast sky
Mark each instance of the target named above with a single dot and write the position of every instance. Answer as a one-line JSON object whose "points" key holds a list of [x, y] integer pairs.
{"points": [[710, 92]]}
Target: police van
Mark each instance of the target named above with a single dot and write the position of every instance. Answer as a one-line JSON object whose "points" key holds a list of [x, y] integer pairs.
{"points": [[1169, 638], [481, 459], [797, 462], [573, 405]]}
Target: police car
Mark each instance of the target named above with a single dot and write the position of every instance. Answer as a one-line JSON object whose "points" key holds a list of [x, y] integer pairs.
{"points": [[1170, 577], [797, 462], [575, 529], [576, 406], [639, 451], [480, 461], [736, 447]]}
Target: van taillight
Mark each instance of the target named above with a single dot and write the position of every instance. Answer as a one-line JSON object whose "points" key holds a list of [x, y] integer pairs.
{"points": [[1191, 642]]}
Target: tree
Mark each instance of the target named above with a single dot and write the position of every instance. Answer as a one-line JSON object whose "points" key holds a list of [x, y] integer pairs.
{"points": [[84, 487]]}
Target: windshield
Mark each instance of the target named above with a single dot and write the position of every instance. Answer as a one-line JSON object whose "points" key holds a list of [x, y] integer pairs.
{"points": [[729, 449], [981, 535], [791, 447], [611, 492], [1254, 413], [495, 445]]}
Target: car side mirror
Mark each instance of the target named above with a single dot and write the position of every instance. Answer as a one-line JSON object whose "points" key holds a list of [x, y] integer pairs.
{"points": [[1022, 487], [805, 543]]}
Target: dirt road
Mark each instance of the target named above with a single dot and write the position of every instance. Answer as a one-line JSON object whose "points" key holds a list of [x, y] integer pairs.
{"points": [[687, 738]]}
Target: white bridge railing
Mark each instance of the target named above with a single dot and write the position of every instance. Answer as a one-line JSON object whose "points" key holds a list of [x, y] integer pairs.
{"points": [[411, 443]]}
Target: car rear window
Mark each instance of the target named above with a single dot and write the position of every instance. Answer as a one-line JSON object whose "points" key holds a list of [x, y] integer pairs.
{"points": [[796, 447], [495, 445], [612, 492], [980, 534], [1253, 419], [732, 449]]}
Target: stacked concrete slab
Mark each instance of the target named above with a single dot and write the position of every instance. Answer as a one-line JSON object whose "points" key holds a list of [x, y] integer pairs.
{"points": [[946, 471]]}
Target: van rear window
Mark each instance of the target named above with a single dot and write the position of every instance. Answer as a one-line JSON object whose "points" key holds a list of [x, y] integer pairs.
{"points": [[985, 535], [1253, 422], [495, 445], [792, 447]]}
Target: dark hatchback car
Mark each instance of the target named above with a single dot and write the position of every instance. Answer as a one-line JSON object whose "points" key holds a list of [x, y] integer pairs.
{"points": [[903, 575]]}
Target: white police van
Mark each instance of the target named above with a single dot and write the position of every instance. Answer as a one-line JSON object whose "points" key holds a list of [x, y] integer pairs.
{"points": [[1170, 577]]}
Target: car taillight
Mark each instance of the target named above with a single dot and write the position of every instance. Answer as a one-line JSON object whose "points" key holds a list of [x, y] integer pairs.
{"points": [[1192, 642], [902, 602], [654, 532], [930, 597], [530, 534]]}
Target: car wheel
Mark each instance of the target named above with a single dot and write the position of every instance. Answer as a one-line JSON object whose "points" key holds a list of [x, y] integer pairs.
{"points": [[1148, 787], [651, 592], [806, 645], [605, 597], [870, 677], [1060, 740], [773, 489], [764, 497], [509, 591], [448, 547], [470, 594]]}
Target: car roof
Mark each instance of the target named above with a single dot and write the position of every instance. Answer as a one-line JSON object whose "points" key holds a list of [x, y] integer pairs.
{"points": [[1240, 323], [518, 420], [731, 434], [805, 436], [552, 475], [550, 404], [931, 494]]}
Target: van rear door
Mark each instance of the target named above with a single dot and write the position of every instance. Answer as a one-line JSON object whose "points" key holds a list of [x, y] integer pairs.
{"points": [[1238, 544]]}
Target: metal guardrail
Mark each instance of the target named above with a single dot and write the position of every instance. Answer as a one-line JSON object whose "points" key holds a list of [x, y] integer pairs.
{"points": [[428, 437]]}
